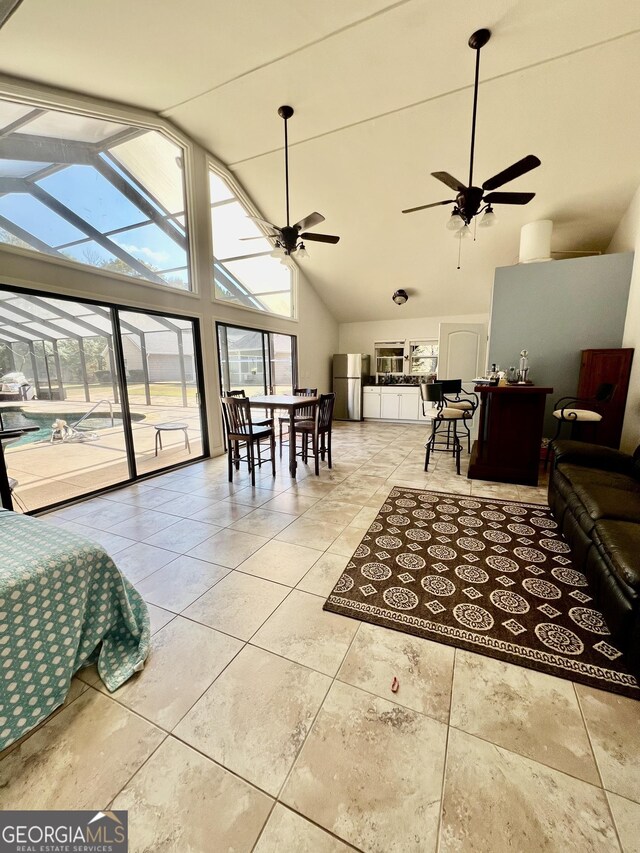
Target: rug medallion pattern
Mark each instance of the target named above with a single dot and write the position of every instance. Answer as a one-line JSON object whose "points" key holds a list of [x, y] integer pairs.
{"points": [[492, 577]]}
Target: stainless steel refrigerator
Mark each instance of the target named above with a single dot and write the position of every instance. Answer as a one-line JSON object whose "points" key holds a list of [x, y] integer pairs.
{"points": [[349, 372]]}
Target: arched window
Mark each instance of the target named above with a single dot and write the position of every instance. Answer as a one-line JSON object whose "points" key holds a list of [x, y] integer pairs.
{"points": [[94, 191], [245, 273]]}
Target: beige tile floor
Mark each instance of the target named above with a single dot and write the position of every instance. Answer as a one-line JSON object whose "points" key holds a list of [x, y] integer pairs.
{"points": [[262, 723]]}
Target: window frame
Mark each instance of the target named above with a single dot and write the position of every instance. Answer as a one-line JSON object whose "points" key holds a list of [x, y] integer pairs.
{"points": [[238, 190], [266, 352], [417, 342], [35, 97]]}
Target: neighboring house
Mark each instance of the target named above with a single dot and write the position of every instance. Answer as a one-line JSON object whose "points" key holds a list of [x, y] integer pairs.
{"points": [[246, 365], [163, 356]]}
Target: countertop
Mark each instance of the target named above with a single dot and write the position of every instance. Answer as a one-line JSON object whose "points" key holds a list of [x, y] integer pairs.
{"points": [[391, 385]]}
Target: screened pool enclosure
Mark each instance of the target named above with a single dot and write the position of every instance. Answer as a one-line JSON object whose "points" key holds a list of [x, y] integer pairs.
{"points": [[114, 376]]}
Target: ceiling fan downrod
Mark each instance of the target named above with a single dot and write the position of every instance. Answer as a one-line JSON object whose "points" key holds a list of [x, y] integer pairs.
{"points": [[476, 42], [285, 112]]}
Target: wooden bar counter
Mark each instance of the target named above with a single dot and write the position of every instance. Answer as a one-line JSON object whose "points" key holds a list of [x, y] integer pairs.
{"points": [[509, 434]]}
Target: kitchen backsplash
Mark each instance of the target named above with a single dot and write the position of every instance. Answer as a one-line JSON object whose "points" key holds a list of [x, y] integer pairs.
{"points": [[396, 379]]}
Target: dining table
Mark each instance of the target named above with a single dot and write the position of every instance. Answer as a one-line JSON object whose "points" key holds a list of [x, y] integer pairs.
{"points": [[290, 403]]}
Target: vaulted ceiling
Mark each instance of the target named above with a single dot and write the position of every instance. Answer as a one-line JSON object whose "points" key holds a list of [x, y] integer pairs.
{"points": [[382, 93]]}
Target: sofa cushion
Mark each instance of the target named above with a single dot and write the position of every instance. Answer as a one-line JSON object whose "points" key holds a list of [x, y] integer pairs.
{"points": [[595, 456], [578, 475], [605, 502], [619, 543]]}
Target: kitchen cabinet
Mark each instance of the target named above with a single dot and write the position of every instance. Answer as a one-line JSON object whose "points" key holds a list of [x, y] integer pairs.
{"points": [[409, 404], [392, 403], [371, 402]]}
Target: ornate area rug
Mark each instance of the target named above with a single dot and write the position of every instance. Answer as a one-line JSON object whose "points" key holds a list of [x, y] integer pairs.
{"points": [[488, 576]]}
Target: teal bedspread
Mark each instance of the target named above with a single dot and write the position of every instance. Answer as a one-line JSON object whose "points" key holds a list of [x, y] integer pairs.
{"points": [[63, 605]]}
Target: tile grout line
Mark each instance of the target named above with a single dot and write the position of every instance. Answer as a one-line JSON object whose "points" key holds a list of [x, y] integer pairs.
{"points": [[528, 758], [446, 752], [613, 820], [588, 733], [315, 718], [597, 764]]}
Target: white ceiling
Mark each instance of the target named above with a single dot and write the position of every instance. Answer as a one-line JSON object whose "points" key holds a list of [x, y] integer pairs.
{"points": [[382, 93]]}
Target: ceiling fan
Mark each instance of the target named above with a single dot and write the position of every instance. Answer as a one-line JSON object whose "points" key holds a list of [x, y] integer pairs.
{"points": [[471, 200], [289, 238]]}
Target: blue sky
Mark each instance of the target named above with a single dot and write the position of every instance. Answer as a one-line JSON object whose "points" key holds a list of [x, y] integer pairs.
{"points": [[87, 193]]}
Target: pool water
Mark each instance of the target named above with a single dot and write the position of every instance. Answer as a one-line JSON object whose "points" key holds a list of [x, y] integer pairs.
{"points": [[93, 424]]}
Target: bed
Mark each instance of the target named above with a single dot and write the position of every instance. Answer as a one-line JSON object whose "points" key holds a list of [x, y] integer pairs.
{"points": [[63, 605]]}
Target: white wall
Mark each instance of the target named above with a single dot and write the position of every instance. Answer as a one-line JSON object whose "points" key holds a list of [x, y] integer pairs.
{"points": [[360, 337], [627, 239], [317, 339]]}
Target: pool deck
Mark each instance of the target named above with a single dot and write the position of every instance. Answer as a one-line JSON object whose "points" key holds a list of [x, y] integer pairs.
{"points": [[48, 473]]}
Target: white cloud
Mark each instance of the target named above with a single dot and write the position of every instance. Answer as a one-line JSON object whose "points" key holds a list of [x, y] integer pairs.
{"points": [[146, 252]]}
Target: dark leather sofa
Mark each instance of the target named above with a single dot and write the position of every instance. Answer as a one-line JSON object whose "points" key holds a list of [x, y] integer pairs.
{"points": [[594, 494]]}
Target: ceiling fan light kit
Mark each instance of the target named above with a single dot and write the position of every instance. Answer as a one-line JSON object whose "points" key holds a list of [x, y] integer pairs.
{"points": [[288, 239], [470, 200]]}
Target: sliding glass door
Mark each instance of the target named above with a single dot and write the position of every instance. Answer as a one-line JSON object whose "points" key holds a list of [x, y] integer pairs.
{"points": [[114, 393], [162, 386], [255, 361]]}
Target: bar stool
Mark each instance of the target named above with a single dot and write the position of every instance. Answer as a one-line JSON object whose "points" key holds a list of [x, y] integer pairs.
{"points": [[432, 393], [567, 411], [456, 398]]}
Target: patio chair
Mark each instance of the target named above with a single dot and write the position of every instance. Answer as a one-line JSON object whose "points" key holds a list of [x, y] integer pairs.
{"points": [[240, 430]]}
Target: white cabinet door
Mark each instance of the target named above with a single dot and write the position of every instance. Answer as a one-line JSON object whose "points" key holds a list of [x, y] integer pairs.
{"points": [[409, 402], [371, 403], [390, 406]]}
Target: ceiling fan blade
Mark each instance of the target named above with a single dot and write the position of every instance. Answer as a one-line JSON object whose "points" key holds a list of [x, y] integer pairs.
{"points": [[261, 237], [309, 221], [264, 222], [508, 198], [425, 206], [449, 180], [319, 238], [512, 172]]}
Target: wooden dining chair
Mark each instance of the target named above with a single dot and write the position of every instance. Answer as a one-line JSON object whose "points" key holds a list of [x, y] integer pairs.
{"points": [[241, 431], [319, 429], [240, 393], [304, 414]]}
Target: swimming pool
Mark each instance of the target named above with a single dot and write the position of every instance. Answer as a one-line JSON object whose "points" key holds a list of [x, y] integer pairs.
{"points": [[96, 422]]}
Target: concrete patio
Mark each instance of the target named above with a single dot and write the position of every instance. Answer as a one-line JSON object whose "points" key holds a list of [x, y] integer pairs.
{"points": [[48, 473]]}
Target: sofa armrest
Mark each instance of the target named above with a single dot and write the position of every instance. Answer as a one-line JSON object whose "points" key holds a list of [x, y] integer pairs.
{"points": [[592, 456]]}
